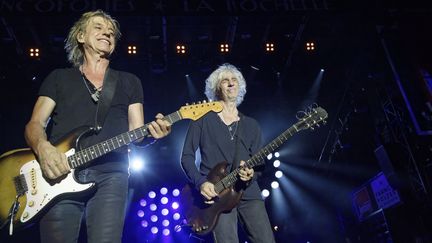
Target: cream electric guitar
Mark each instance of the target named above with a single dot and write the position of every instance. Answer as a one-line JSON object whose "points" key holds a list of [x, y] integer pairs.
{"points": [[25, 193]]}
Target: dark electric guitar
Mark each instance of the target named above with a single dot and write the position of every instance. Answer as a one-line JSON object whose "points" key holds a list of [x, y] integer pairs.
{"points": [[201, 217], [24, 191]]}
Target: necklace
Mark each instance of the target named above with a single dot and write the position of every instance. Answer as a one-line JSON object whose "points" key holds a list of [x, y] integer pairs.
{"points": [[95, 95], [230, 129]]}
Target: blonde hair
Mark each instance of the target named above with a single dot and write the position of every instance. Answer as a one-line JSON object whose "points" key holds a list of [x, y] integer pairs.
{"points": [[73, 48], [212, 82]]}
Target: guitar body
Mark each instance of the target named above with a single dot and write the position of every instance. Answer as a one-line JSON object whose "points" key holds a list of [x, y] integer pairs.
{"points": [[203, 217], [20, 172]]}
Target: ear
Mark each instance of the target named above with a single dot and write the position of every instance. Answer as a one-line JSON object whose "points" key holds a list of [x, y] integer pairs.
{"points": [[80, 37]]}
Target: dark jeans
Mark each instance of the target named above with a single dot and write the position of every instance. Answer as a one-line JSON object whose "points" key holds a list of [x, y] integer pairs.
{"points": [[253, 218], [104, 211]]}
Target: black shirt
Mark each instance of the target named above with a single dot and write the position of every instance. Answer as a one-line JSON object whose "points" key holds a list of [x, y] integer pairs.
{"points": [[75, 108], [212, 137]]}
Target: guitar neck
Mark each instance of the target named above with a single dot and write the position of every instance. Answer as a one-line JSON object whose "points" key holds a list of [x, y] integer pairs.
{"points": [[90, 153], [257, 159]]}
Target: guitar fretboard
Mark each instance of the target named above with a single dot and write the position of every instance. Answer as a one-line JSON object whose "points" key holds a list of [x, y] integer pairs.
{"points": [[257, 159], [90, 153]]}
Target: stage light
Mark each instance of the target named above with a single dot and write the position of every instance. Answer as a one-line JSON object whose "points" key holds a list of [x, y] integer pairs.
{"points": [[144, 223], [278, 174], [166, 232], [276, 154], [152, 194], [181, 49], [275, 184], [164, 212], [34, 52], [175, 205], [310, 46], [140, 213], [137, 163], [132, 50], [275, 228], [165, 222], [164, 200], [176, 192], [224, 48], [265, 193], [322, 70], [176, 216], [153, 207], [154, 230], [143, 202], [276, 163], [269, 156], [163, 190], [154, 218], [269, 47]]}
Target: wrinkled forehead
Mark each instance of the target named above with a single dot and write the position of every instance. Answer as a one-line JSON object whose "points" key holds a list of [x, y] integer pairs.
{"points": [[99, 20]]}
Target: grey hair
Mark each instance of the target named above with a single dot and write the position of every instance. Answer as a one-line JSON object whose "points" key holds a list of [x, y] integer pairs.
{"points": [[212, 82], [73, 48]]}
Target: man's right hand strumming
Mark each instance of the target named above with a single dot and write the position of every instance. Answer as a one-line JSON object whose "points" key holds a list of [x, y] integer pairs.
{"points": [[208, 191], [53, 163]]}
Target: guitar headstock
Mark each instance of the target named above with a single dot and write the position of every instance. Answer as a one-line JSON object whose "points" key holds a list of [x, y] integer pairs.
{"points": [[196, 111], [311, 118]]}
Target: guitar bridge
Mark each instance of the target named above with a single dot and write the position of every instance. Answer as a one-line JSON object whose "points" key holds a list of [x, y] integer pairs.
{"points": [[20, 185]]}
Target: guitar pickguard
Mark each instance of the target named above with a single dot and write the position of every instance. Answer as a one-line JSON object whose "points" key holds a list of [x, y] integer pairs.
{"points": [[40, 191]]}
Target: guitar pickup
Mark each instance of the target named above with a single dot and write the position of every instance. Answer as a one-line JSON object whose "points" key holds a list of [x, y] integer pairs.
{"points": [[20, 185]]}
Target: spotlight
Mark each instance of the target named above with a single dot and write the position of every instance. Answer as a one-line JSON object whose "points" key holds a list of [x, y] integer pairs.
{"points": [[143, 202], [176, 216], [175, 205], [277, 154], [154, 230], [140, 213], [181, 49], [144, 223], [137, 164], [164, 200], [275, 228], [224, 48], [269, 47], [275, 184], [132, 50], [152, 194], [269, 156], [153, 207], [278, 174], [154, 218], [163, 190], [310, 46], [164, 212], [166, 232], [176, 192], [34, 52], [276, 163], [165, 222], [265, 193], [322, 70]]}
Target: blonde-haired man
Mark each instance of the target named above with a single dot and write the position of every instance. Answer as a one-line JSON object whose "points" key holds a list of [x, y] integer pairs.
{"points": [[71, 97]]}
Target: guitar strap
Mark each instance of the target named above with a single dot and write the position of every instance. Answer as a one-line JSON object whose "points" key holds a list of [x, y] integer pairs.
{"points": [[236, 161], [110, 83]]}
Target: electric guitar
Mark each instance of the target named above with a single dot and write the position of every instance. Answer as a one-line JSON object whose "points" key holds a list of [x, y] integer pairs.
{"points": [[201, 217], [26, 193]]}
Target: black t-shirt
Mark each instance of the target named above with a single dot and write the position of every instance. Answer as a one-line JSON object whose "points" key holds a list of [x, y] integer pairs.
{"points": [[75, 108]]}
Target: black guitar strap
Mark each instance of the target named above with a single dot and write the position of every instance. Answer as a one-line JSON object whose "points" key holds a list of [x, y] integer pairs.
{"points": [[236, 162], [110, 83]]}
